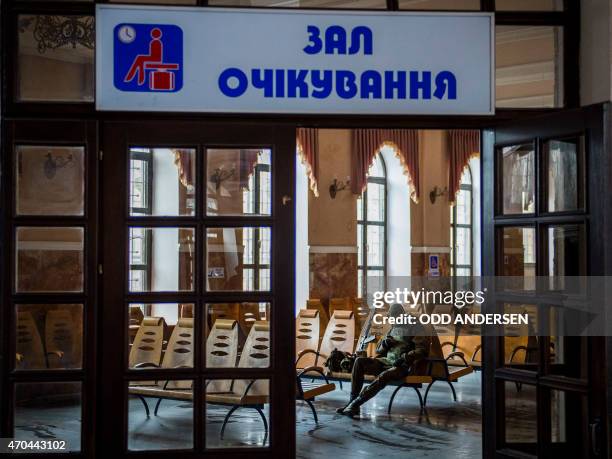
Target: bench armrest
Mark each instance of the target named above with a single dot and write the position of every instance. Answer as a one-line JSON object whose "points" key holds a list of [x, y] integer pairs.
{"points": [[59, 354], [313, 370], [309, 351], [431, 361], [457, 354], [146, 365]]}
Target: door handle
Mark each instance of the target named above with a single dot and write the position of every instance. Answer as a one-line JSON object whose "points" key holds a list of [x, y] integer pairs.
{"points": [[286, 200], [595, 430]]}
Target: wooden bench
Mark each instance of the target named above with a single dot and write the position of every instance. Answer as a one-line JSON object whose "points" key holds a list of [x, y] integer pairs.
{"points": [[306, 336]]}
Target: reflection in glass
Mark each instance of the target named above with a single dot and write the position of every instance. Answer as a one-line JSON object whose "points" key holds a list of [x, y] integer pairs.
{"points": [[518, 179], [252, 400], [529, 5], [50, 180], [160, 416], [239, 182], [48, 411], [162, 181], [566, 251], [48, 336], [161, 335], [439, 5], [565, 183], [49, 259], [238, 259], [238, 329], [372, 4], [528, 66], [518, 251], [520, 341], [56, 58], [520, 416], [161, 259]]}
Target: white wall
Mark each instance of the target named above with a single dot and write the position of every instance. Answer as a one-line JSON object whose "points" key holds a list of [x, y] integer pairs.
{"points": [[301, 236], [165, 241], [398, 216]]}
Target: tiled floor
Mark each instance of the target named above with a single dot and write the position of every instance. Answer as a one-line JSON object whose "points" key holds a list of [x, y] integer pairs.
{"points": [[448, 430]]}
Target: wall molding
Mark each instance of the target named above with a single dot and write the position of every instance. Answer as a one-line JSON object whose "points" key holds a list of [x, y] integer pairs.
{"points": [[333, 249], [426, 249]]}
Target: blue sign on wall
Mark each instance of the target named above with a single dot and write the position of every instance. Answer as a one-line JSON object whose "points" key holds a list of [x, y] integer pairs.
{"points": [[148, 57]]}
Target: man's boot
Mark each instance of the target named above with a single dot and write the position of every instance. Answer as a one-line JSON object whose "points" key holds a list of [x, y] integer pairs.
{"points": [[341, 410], [352, 409]]}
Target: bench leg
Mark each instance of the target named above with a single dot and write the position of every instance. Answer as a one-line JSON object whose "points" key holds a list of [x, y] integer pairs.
{"points": [[416, 389], [427, 392], [159, 400], [265, 423], [393, 397], [453, 389], [146, 405], [227, 416], [314, 412]]}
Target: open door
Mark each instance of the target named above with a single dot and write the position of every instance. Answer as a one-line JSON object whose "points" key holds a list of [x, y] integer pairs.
{"points": [[544, 214]]}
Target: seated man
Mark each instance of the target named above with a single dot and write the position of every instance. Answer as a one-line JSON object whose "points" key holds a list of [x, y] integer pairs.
{"points": [[397, 353]]}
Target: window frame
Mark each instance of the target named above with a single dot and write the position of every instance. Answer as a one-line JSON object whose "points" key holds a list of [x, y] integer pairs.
{"points": [[363, 268], [454, 225]]}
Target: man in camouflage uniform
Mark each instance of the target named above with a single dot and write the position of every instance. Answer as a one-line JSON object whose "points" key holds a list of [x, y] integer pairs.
{"points": [[397, 353]]}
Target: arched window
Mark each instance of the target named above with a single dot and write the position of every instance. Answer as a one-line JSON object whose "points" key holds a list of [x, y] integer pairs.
{"points": [[372, 230], [461, 228]]}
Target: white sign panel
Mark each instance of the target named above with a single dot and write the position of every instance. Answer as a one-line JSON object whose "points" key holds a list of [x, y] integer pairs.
{"points": [[304, 62]]}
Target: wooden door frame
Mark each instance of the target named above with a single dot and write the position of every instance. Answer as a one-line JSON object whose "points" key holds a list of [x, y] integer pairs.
{"points": [[595, 122], [117, 136]]}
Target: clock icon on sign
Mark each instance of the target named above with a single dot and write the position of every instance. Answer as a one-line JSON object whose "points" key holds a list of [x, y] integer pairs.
{"points": [[126, 34]]}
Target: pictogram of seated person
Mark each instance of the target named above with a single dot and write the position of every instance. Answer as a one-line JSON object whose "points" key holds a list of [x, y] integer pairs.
{"points": [[397, 354], [155, 56]]}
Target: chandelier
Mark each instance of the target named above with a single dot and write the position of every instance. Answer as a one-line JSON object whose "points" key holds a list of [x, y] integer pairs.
{"points": [[52, 32]]}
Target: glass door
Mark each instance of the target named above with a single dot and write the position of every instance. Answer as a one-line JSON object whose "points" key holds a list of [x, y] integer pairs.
{"points": [[543, 387], [198, 290]]}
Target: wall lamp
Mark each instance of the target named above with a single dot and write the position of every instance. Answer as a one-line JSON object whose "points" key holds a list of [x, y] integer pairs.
{"points": [[221, 175], [338, 186], [436, 192]]}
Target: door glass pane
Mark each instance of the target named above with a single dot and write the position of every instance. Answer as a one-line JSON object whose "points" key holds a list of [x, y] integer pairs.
{"points": [[566, 252], [529, 5], [238, 259], [50, 180], [239, 182], [244, 428], [162, 181], [238, 335], [565, 163], [162, 337], [520, 414], [48, 336], [567, 420], [528, 66], [518, 179], [49, 411], [56, 58], [518, 252], [49, 259], [170, 424], [464, 207], [439, 5], [152, 2], [568, 354], [161, 259], [520, 343]]}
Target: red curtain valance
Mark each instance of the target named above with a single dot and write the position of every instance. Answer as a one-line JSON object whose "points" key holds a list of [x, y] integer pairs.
{"points": [[308, 149], [463, 144], [183, 159], [366, 143]]}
